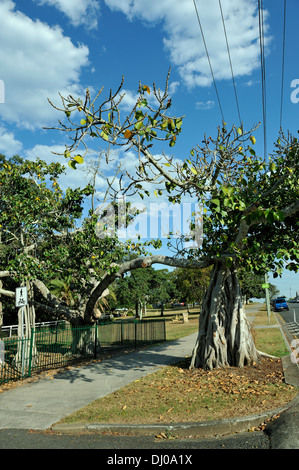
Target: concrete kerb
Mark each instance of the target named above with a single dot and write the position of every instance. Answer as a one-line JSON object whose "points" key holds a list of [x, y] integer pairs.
{"points": [[200, 429]]}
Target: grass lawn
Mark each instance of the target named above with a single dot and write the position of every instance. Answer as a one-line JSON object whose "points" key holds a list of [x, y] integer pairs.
{"points": [[268, 340], [177, 394]]}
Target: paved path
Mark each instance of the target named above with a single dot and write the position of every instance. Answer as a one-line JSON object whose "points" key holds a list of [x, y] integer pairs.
{"points": [[40, 404]]}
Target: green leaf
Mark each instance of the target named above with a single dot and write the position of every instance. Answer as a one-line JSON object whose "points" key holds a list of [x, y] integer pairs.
{"points": [[79, 159], [72, 164], [138, 125], [142, 103], [82, 122], [216, 202], [193, 171], [178, 123], [280, 215], [239, 130], [269, 215], [104, 135], [272, 166]]}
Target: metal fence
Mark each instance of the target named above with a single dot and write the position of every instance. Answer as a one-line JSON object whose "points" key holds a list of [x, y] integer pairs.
{"points": [[55, 347], [12, 330]]}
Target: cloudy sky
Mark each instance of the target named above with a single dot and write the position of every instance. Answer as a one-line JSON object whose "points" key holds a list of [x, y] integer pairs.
{"points": [[64, 46]]}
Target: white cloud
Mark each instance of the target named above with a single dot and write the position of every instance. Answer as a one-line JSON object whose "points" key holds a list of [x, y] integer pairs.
{"points": [[205, 105], [183, 39], [173, 87], [72, 178], [79, 12], [37, 61], [130, 98], [9, 145]]}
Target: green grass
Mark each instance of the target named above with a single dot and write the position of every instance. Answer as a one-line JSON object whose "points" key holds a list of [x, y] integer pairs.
{"points": [[176, 394], [269, 340]]}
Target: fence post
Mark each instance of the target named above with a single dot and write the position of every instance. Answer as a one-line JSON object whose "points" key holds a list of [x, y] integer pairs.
{"points": [[121, 332], [95, 340], [30, 352], [136, 333]]}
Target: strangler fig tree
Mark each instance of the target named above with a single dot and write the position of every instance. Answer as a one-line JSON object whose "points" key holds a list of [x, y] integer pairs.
{"points": [[250, 205]]}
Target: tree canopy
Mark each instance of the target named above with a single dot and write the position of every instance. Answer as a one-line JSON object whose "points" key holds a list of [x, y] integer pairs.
{"points": [[45, 240]]}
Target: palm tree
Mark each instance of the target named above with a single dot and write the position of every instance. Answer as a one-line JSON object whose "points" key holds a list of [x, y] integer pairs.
{"points": [[62, 289]]}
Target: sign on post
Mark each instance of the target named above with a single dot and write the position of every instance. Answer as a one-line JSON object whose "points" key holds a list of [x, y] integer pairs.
{"points": [[21, 296]]}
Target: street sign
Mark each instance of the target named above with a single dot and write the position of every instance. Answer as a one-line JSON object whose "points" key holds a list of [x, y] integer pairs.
{"points": [[21, 296], [265, 286]]}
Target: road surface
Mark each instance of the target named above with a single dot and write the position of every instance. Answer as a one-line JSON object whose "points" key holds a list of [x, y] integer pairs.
{"points": [[291, 319]]}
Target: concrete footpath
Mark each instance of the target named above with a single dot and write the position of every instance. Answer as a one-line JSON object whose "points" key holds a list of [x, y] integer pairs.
{"points": [[41, 404]]}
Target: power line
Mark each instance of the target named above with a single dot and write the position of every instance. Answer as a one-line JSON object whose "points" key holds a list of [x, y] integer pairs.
{"points": [[230, 61], [208, 57], [262, 49], [283, 57]]}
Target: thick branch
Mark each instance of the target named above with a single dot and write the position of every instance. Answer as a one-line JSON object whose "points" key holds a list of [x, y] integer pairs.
{"points": [[61, 312], [7, 274], [7, 293], [107, 279]]}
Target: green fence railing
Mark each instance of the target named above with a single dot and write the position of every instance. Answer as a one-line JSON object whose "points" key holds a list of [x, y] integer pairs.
{"points": [[49, 348]]}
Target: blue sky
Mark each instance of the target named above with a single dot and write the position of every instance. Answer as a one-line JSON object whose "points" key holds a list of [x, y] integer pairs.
{"points": [[52, 46]]}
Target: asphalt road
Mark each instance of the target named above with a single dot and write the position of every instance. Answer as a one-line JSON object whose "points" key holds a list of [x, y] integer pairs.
{"points": [[290, 322], [128, 445], [292, 314]]}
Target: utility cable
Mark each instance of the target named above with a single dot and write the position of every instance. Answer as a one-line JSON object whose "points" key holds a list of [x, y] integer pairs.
{"points": [[283, 57], [262, 50], [230, 61], [208, 57]]}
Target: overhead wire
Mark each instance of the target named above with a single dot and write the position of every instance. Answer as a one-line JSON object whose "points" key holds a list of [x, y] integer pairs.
{"points": [[209, 60], [230, 61], [263, 71], [283, 59]]}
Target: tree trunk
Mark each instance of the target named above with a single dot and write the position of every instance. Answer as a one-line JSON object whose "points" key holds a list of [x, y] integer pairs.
{"points": [[224, 337], [85, 341]]}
